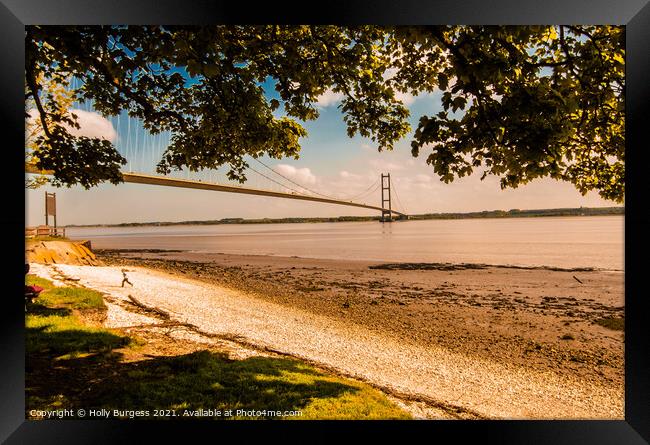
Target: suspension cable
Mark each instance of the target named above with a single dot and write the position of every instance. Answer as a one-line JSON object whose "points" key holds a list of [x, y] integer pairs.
{"points": [[295, 183], [373, 186], [273, 180], [313, 191], [402, 207], [128, 142]]}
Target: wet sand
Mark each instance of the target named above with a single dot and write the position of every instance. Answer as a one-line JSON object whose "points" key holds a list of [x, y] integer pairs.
{"points": [[538, 319]]}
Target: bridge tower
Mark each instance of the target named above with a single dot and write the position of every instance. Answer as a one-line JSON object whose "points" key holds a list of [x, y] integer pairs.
{"points": [[386, 215]]}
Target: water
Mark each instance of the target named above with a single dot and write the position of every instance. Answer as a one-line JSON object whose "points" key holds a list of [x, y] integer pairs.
{"points": [[589, 241]]}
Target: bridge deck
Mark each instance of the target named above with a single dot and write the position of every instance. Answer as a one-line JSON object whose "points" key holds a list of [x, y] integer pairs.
{"points": [[140, 178]]}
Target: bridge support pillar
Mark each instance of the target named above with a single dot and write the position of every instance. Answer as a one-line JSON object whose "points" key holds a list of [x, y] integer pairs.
{"points": [[386, 213]]}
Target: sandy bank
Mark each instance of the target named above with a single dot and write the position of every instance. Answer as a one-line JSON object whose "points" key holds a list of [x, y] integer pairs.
{"points": [[60, 252]]}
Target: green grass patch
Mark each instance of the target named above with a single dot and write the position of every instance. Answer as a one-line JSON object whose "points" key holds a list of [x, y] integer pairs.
{"points": [[34, 280], [59, 345], [208, 380], [52, 327], [72, 298], [613, 323], [57, 335]]}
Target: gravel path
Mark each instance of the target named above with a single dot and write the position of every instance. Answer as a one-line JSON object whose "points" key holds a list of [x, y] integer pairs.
{"points": [[454, 382]]}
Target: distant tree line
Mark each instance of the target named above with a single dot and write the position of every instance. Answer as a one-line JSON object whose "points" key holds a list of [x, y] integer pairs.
{"points": [[516, 213], [513, 213]]}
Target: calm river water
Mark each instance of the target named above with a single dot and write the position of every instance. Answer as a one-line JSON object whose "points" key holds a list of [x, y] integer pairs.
{"points": [[587, 241]]}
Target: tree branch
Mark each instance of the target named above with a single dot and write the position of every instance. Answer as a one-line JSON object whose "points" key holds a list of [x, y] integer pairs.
{"points": [[33, 86]]}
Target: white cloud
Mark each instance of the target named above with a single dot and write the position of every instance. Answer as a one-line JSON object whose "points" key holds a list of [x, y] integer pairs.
{"points": [[406, 98], [300, 175], [347, 175], [92, 125], [329, 98], [415, 189]]}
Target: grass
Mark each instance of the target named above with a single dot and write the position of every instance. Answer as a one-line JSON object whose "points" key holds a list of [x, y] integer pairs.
{"points": [[613, 323], [73, 364], [54, 325], [210, 380], [72, 298], [33, 280], [66, 334], [37, 239]]}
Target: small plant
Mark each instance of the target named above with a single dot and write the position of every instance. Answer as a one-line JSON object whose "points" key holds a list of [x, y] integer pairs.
{"points": [[613, 323]]}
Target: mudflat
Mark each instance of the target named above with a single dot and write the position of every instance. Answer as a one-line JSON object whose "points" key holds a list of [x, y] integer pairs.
{"points": [[566, 321]]}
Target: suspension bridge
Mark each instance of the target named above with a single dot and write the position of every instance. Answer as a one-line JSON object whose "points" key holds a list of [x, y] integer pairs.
{"points": [[142, 149], [140, 178]]}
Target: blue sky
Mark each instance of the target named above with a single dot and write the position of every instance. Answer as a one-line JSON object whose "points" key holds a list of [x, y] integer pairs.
{"points": [[330, 163]]}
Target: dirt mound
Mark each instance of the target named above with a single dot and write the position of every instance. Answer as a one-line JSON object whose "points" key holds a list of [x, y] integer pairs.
{"points": [[60, 252]]}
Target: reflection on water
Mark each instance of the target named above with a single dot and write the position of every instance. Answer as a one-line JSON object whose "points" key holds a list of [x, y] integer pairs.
{"points": [[589, 241]]}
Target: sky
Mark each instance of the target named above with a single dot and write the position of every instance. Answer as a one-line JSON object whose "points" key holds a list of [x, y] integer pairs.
{"points": [[330, 163]]}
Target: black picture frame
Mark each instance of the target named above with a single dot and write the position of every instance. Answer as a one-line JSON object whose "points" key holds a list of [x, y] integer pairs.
{"points": [[635, 14]]}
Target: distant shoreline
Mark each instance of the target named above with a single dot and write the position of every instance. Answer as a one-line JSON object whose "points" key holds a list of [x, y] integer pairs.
{"points": [[513, 213]]}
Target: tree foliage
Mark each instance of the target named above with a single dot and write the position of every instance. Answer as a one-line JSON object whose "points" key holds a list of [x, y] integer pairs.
{"points": [[34, 127], [534, 102], [517, 102]]}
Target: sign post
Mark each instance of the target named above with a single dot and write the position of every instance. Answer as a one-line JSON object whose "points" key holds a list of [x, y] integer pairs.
{"points": [[50, 207]]}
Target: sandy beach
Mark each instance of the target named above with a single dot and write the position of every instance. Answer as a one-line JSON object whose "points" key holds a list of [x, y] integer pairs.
{"points": [[479, 341]]}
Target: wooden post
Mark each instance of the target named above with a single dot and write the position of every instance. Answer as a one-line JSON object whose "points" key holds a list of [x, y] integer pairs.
{"points": [[50, 209]]}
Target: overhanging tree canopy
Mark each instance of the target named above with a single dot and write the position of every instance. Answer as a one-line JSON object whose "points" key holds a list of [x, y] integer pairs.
{"points": [[518, 102]]}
